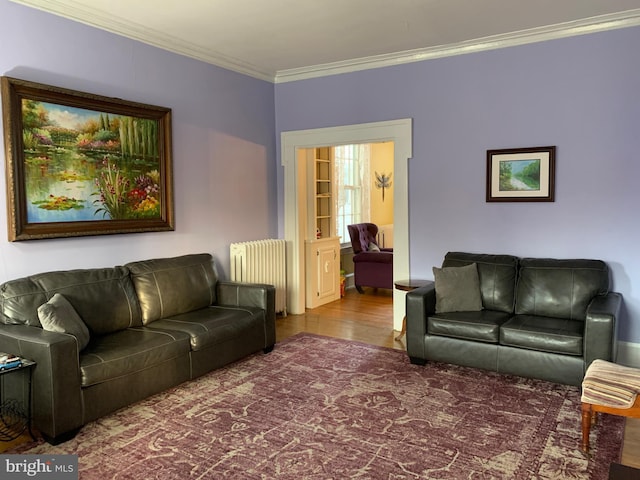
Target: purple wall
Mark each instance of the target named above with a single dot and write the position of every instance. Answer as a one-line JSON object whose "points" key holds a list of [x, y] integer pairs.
{"points": [[581, 94], [223, 140]]}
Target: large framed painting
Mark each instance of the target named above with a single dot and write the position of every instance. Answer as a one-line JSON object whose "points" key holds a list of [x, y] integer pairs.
{"points": [[521, 174], [82, 164]]}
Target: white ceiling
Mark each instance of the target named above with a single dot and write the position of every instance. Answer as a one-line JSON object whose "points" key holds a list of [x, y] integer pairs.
{"points": [[283, 40]]}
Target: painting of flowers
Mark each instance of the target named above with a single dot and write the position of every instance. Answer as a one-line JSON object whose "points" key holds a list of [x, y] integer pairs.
{"points": [[83, 164]]}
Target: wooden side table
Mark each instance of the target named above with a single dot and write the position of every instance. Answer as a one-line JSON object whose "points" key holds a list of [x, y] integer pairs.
{"points": [[13, 418], [407, 286]]}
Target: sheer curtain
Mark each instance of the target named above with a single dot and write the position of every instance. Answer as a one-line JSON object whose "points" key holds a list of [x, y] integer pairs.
{"points": [[352, 181]]}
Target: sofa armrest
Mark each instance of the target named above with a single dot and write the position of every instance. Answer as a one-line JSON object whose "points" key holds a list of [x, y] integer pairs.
{"points": [[420, 303], [252, 295], [57, 396], [601, 328]]}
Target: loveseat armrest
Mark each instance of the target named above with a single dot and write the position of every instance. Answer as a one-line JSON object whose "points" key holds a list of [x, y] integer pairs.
{"points": [[57, 396], [601, 328], [252, 295], [420, 303]]}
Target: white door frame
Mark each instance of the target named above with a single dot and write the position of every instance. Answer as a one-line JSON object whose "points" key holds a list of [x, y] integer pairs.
{"points": [[295, 204]]}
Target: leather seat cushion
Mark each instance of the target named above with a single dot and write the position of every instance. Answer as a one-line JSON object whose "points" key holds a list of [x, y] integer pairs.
{"points": [[545, 334], [215, 324], [482, 326], [127, 351]]}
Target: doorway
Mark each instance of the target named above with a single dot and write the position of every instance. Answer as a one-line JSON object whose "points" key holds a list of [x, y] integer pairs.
{"points": [[397, 131]]}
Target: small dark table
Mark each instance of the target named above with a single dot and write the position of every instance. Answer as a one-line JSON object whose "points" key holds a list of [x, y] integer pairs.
{"points": [[618, 471], [13, 420], [407, 286]]}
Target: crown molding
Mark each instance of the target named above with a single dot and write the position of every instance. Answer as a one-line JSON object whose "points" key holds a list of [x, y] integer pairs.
{"points": [[629, 18], [95, 18], [77, 12]]}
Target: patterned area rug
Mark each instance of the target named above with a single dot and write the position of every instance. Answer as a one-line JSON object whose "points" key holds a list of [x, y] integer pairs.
{"points": [[321, 408]]}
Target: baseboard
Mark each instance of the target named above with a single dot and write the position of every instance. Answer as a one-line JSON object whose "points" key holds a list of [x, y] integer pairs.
{"points": [[351, 283], [629, 354]]}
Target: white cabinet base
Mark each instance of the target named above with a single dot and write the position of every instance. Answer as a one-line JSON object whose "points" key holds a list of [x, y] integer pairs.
{"points": [[323, 271]]}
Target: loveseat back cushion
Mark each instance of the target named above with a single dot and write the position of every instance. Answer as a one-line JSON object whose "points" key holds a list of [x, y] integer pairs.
{"points": [[497, 274], [103, 297], [171, 286], [560, 288]]}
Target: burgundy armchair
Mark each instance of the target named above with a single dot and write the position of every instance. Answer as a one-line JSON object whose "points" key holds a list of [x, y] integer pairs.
{"points": [[372, 265]]}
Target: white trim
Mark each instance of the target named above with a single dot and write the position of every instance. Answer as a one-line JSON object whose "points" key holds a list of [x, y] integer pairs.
{"points": [[629, 354], [629, 18], [397, 131], [95, 18]]}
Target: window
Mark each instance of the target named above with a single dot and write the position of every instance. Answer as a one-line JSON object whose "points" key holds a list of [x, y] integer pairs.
{"points": [[351, 174]]}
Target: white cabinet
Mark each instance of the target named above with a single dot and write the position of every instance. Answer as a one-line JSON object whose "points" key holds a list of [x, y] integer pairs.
{"points": [[323, 271]]}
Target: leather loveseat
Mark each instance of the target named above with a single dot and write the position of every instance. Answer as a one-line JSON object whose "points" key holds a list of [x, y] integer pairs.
{"points": [[150, 325], [539, 318]]}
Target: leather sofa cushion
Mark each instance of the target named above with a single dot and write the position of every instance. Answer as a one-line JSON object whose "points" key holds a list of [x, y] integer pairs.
{"points": [[482, 326], [559, 288], [103, 297], [215, 324], [553, 335], [128, 351], [171, 286], [20, 300], [497, 274]]}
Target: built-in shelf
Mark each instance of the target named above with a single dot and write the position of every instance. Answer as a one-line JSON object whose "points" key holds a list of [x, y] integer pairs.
{"points": [[322, 186], [322, 246]]}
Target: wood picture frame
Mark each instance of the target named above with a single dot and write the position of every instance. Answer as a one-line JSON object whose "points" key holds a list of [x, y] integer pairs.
{"points": [[521, 174], [81, 164]]}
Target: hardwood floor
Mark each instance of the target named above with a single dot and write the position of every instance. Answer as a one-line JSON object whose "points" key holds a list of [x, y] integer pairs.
{"points": [[368, 318]]}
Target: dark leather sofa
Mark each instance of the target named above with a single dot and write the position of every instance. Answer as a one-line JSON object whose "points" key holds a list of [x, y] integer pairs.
{"points": [[152, 325], [540, 318]]}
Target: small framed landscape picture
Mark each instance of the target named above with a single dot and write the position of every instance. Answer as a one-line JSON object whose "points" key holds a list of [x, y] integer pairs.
{"points": [[82, 164], [521, 174]]}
